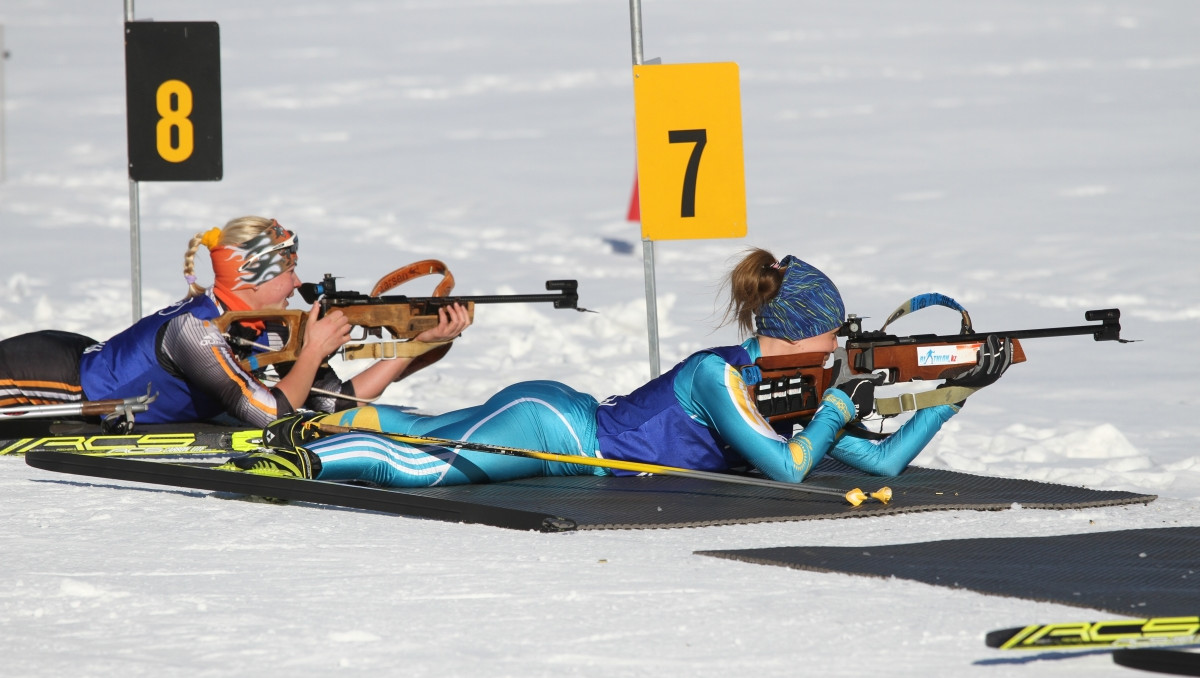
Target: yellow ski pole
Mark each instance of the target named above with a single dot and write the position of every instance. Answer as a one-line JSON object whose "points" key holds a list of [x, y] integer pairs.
{"points": [[855, 496]]}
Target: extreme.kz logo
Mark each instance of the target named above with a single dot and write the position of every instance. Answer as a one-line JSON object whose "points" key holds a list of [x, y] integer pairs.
{"points": [[947, 355], [937, 356]]}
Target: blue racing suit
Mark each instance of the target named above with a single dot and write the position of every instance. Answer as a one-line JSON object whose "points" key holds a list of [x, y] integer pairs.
{"points": [[181, 355], [699, 415], [127, 364]]}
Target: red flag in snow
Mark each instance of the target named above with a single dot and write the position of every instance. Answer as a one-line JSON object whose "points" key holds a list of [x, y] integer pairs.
{"points": [[635, 205]]}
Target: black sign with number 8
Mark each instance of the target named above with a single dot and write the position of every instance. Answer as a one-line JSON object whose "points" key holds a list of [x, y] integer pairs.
{"points": [[173, 100]]}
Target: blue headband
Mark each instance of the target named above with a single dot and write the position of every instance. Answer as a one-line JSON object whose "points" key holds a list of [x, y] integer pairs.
{"points": [[808, 304]]}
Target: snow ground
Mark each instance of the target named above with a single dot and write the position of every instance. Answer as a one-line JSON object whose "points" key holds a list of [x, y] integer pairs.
{"points": [[1033, 160]]}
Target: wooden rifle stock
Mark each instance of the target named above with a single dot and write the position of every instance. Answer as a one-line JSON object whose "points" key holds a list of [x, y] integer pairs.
{"points": [[293, 323], [403, 317], [921, 361], [791, 386]]}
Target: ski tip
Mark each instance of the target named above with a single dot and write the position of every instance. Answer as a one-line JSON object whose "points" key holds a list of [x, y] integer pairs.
{"points": [[998, 638]]}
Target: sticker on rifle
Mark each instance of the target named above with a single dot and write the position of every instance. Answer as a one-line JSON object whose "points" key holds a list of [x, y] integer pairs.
{"points": [[947, 355]]}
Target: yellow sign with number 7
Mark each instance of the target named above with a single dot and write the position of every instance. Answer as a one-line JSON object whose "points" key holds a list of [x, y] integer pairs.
{"points": [[691, 172]]}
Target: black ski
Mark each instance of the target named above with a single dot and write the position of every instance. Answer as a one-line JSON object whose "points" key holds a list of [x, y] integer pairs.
{"points": [[1175, 662], [1111, 634], [392, 501]]}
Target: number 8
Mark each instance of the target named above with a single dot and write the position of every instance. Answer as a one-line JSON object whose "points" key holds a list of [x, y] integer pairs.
{"points": [[174, 117]]}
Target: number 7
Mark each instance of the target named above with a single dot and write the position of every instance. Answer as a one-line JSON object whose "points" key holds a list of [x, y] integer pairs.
{"points": [[700, 138]]}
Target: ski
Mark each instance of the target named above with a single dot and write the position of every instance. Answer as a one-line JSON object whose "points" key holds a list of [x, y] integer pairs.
{"points": [[1120, 633], [197, 477], [148, 444], [1175, 662]]}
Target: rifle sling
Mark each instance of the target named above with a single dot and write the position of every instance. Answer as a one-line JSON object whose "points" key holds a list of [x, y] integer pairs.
{"points": [[416, 270], [908, 402], [389, 350]]}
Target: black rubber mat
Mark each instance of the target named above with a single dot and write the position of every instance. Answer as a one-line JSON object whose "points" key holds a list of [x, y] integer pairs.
{"points": [[649, 502], [595, 502], [1140, 573]]}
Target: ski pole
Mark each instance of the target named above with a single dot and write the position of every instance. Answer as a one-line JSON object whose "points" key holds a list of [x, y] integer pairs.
{"points": [[855, 496], [86, 408]]}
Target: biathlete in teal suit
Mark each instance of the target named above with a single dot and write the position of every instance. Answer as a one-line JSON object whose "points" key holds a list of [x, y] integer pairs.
{"points": [[700, 415]]}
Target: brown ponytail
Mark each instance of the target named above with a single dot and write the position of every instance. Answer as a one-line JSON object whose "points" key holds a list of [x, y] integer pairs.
{"points": [[752, 283]]}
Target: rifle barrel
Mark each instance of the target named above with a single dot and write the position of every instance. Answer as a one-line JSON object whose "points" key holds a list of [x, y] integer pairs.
{"points": [[498, 298], [1108, 330], [567, 297]]}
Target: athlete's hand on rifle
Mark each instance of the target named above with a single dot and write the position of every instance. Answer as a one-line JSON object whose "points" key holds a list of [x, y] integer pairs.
{"points": [[325, 335], [995, 355], [452, 320], [861, 392]]}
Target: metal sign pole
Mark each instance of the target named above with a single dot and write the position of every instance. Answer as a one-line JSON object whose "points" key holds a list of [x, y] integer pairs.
{"points": [[635, 23], [3, 147], [135, 228]]}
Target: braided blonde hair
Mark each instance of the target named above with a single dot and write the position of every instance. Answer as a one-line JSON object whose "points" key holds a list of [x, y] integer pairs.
{"points": [[235, 232]]}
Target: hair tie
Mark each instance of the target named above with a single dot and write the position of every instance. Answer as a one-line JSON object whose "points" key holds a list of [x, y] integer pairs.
{"points": [[211, 238], [191, 279]]}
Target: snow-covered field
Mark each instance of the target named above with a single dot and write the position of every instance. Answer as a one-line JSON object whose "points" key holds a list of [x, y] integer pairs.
{"points": [[1032, 159]]}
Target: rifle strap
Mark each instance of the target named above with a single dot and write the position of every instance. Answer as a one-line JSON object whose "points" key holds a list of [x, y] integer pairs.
{"points": [[416, 270], [930, 299], [423, 353], [389, 350], [909, 402]]}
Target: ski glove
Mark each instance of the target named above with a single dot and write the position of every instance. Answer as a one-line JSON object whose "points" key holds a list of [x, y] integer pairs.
{"points": [[293, 431], [995, 355], [861, 392]]}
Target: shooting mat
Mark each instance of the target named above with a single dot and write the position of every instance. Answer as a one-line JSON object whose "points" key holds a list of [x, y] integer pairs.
{"points": [[597, 503], [1139, 573], [601, 502]]}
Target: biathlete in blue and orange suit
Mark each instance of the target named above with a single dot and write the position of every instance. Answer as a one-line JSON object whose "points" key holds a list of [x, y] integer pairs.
{"points": [[181, 355], [700, 415]]}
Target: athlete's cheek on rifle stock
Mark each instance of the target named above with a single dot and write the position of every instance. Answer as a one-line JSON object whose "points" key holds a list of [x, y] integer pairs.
{"points": [[274, 293], [826, 343], [823, 343]]}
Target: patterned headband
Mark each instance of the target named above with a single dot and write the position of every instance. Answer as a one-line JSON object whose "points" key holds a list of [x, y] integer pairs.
{"points": [[256, 261], [808, 304]]}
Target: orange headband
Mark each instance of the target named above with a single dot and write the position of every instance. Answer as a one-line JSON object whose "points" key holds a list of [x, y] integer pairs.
{"points": [[256, 261]]}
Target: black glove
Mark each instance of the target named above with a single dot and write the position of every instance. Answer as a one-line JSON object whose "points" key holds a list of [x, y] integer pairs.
{"points": [[995, 355], [862, 393], [292, 431]]}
